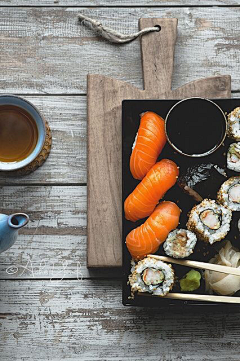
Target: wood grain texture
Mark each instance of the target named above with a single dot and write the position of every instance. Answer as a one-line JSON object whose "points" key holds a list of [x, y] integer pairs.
{"points": [[55, 236], [47, 51], [105, 96], [97, 3], [53, 244], [157, 52], [84, 320]]}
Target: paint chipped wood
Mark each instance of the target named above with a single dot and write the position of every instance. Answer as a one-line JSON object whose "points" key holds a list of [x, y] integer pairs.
{"points": [[97, 3], [47, 51], [63, 320], [53, 244]]}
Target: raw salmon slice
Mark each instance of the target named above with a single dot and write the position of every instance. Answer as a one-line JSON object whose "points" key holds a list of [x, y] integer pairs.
{"points": [[148, 144], [147, 238], [142, 201]]}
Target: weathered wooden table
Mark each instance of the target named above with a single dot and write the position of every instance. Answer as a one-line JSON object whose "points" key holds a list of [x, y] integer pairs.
{"points": [[51, 306]]}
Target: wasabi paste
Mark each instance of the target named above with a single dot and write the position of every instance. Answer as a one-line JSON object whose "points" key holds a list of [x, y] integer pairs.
{"points": [[191, 281]]}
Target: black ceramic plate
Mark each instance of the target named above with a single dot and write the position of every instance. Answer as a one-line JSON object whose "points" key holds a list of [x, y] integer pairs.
{"points": [[131, 110]]}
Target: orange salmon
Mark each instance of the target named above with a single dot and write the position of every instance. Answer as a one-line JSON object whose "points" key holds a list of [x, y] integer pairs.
{"points": [[149, 143], [147, 238], [142, 201]]}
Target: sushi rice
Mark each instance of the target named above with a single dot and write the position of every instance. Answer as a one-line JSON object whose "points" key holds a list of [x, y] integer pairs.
{"points": [[209, 221], [229, 194], [152, 276], [233, 157], [234, 124], [180, 243]]}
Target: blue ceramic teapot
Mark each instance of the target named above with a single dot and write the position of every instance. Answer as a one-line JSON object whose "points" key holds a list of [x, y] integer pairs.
{"points": [[9, 226]]}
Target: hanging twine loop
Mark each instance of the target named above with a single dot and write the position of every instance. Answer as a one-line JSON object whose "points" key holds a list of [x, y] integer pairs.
{"points": [[112, 35]]}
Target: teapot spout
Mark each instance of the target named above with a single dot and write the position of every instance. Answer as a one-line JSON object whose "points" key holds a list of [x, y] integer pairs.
{"points": [[18, 220]]}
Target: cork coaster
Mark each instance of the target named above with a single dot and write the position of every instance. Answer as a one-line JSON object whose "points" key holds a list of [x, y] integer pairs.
{"points": [[39, 160]]}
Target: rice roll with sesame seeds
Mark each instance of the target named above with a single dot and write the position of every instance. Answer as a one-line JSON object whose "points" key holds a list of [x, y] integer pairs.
{"points": [[180, 243], [152, 276], [234, 124], [209, 221], [233, 157], [229, 194]]}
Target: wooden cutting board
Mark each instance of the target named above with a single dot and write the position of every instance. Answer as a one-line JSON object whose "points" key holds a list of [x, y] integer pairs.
{"points": [[105, 97]]}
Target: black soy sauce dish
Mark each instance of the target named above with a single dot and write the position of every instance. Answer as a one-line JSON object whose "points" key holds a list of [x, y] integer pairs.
{"points": [[216, 150], [195, 127]]}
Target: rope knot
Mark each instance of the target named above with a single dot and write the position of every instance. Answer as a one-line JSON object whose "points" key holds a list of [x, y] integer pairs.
{"points": [[112, 35]]}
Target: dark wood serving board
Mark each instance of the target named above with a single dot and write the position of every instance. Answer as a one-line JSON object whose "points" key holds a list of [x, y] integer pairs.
{"points": [[105, 97]]}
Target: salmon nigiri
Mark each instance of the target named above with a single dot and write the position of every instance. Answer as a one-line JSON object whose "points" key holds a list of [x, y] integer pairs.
{"points": [[142, 201], [149, 143], [146, 238]]}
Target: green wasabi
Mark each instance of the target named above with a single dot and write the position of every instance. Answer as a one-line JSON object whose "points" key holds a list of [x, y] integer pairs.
{"points": [[191, 281]]}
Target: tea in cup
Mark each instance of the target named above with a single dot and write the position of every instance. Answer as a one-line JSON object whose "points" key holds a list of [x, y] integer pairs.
{"points": [[22, 132]]}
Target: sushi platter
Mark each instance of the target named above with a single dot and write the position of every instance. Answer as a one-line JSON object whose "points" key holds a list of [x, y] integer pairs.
{"points": [[181, 200]]}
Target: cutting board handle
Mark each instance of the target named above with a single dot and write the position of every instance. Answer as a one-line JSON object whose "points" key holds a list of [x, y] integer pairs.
{"points": [[158, 53]]}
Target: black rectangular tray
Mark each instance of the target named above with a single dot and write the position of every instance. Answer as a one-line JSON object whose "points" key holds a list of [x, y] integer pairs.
{"points": [[131, 110]]}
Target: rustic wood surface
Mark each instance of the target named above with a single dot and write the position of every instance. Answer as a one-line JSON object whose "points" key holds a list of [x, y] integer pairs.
{"points": [[100, 3], [46, 51], [51, 306], [104, 222], [84, 320]]}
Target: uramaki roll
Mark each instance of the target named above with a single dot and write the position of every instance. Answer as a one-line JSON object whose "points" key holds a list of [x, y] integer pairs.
{"points": [[234, 124], [209, 221], [180, 243], [229, 194], [152, 276]]}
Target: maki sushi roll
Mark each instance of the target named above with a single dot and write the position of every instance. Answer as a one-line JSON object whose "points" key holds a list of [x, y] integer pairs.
{"points": [[234, 124], [209, 221], [152, 276], [229, 194], [180, 243], [233, 157]]}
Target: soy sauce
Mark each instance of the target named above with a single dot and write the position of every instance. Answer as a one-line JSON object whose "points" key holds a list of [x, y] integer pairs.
{"points": [[196, 126]]}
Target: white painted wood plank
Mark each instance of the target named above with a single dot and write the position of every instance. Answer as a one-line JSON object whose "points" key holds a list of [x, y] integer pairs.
{"points": [[49, 257], [93, 3], [67, 160], [84, 320], [45, 257], [47, 51], [53, 244]]}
